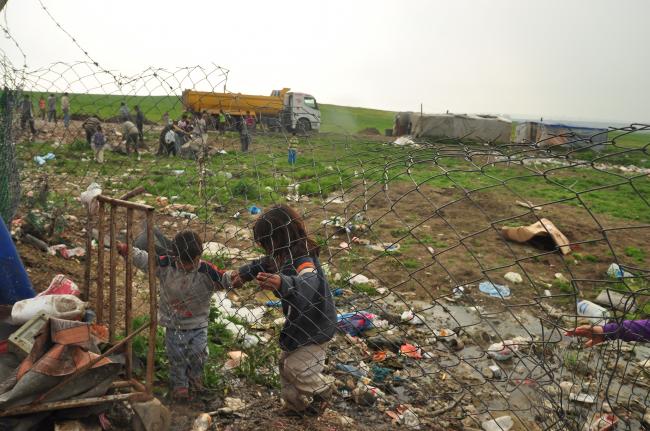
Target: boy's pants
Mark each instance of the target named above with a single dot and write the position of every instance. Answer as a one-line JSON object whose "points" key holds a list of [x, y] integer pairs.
{"points": [[99, 153], [292, 156], [66, 118], [187, 351], [301, 376]]}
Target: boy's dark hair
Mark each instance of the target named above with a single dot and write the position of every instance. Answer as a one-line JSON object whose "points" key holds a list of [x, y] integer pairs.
{"points": [[187, 246], [282, 233]]}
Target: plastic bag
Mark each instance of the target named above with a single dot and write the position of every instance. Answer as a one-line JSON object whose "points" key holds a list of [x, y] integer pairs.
{"points": [[67, 307], [89, 197]]}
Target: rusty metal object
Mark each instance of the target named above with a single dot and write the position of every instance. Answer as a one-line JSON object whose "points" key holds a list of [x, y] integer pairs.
{"points": [[153, 306], [99, 308], [113, 318], [66, 404], [112, 294], [85, 294], [128, 289], [133, 193], [125, 204]]}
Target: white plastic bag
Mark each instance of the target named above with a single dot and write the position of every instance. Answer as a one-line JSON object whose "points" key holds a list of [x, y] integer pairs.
{"points": [[89, 197], [62, 306]]}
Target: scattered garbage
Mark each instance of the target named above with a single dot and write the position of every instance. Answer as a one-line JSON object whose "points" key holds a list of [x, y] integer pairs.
{"points": [[232, 405], [35, 242], [226, 308], [617, 300], [513, 277], [356, 279], [403, 140], [352, 370], [67, 307], [355, 323], [178, 171], [504, 350], [235, 360], [21, 341], [40, 160], [411, 351], [494, 290], [582, 398], [543, 234], [254, 210], [61, 285], [592, 312], [503, 423], [366, 395], [65, 252], [492, 372], [403, 415], [384, 247], [615, 271], [528, 205], [89, 197], [602, 422], [202, 423], [410, 317], [273, 304]]}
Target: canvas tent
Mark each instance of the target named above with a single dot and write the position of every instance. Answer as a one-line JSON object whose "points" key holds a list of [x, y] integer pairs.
{"points": [[482, 128], [548, 135]]}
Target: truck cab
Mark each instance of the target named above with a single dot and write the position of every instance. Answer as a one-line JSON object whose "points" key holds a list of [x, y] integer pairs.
{"points": [[301, 112]]}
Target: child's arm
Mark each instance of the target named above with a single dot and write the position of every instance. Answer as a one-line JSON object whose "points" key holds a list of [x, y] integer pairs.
{"points": [[301, 290], [140, 257], [249, 271]]}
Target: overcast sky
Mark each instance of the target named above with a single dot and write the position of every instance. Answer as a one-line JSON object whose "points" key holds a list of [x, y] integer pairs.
{"points": [[584, 59]]}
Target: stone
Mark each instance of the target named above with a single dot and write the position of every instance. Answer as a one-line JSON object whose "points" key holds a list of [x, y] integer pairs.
{"points": [[513, 277], [503, 423], [151, 415]]}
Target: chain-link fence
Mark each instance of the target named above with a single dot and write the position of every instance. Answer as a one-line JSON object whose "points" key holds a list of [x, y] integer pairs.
{"points": [[425, 282]]}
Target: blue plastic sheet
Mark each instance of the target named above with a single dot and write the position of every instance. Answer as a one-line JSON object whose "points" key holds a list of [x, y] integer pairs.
{"points": [[494, 290]]}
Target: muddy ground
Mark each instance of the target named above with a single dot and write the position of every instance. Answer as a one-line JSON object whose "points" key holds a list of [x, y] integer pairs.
{"points": [[447, 239]]}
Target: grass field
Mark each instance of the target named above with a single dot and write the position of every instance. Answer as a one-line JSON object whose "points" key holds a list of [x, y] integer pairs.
{"points": [[334, 118]]}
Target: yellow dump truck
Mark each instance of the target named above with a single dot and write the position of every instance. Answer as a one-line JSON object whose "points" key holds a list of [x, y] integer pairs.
{"points": [[282, 109]]}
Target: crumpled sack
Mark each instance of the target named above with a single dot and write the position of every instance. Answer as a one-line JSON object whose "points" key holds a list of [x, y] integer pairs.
{"points": [[89, 198]]}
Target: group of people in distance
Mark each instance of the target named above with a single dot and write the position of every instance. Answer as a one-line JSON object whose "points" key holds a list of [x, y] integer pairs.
{"points": [[46, 109], [173, 136]]}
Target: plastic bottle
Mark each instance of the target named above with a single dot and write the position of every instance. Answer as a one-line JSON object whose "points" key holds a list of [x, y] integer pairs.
{"points": [[592, 312], [14, 283]]}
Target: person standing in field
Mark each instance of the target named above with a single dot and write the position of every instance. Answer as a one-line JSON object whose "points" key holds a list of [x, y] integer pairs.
{"points": [[165, 118], [51, 108], [244, 135], [291, 271], [139, 122], [98, 142], [65, 107], [125, 115], [187, 284], [27, 115], [293, 148], [130, 132], [41, 108], [251, 123]]}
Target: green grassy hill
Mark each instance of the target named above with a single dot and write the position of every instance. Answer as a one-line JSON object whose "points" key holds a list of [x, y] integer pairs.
{"points": [[334, 118]]}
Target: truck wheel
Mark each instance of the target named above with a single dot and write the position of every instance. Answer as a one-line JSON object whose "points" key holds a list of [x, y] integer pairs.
{"points": [[303, 126]]}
